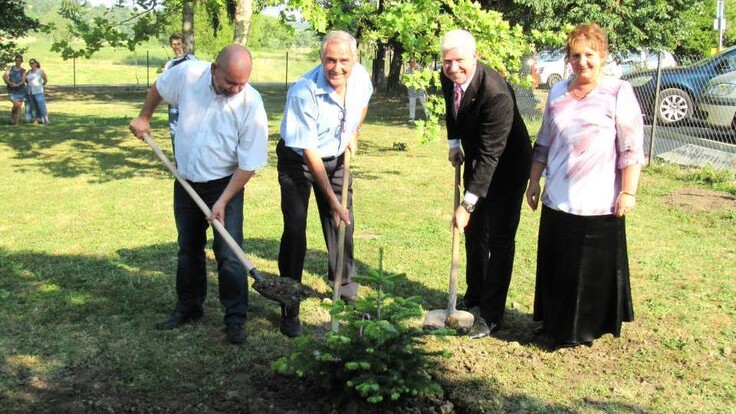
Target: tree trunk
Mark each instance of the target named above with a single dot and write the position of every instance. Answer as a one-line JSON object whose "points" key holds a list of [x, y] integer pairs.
{"points": [[187, 25], [379, 75], [241, 23], [393, 83]]}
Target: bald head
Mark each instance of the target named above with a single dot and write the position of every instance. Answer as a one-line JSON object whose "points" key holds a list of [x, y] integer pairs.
{"points": [[231, 70]]}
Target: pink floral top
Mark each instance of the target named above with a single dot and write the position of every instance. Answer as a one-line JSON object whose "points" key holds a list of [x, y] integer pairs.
{"points": [[585, 144]]}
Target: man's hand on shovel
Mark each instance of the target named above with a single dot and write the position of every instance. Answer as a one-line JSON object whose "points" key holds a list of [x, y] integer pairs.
{"points": [[339, 214], [460, 218], [218, 212], [140, 126]]}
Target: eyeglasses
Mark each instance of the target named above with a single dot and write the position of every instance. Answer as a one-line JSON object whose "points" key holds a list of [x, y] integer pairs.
{"points": [[341, 118]]}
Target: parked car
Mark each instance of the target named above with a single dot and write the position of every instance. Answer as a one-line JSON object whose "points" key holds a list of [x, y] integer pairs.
{"points": [[552, 67], [644, 58], [719, 101], [681, 88]]}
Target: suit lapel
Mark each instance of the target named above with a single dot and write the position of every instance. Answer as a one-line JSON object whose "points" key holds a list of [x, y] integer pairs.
{"points": [[471, 91]]}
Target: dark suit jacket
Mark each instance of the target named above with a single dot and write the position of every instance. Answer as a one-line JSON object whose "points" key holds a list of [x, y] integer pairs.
{"points": [[493, 135]]}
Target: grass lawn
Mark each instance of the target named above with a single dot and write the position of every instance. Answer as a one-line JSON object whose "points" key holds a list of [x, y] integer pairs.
{"points": [[120, 66], [87, 260]]}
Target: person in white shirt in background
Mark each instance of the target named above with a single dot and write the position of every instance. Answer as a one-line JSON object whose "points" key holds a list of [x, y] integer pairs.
{"points": [[176, 41], [36, 79]]}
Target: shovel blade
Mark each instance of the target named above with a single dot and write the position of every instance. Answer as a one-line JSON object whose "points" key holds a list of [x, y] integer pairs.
{"points": [[435, 319], [461, 321]]}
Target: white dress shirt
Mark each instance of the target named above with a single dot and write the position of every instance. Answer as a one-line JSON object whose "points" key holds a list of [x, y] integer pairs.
{"points": [[216, 134]]}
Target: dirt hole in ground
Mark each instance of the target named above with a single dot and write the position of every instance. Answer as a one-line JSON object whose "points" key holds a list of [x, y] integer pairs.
{"points": [[697, 199]]}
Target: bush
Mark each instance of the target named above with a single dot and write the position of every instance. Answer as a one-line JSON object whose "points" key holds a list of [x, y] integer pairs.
{"points": [[375, 354]]}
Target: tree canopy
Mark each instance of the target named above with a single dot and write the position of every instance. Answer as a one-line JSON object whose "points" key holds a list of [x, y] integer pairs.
{"points": [[14, 24], [629, 23]]}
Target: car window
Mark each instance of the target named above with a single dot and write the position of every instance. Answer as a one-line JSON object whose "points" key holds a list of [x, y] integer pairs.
{"points": [[729, 64]]}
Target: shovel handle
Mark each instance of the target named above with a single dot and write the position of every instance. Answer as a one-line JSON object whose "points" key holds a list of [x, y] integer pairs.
{"points": [[455, 264], [341, 235], [249, 267]]}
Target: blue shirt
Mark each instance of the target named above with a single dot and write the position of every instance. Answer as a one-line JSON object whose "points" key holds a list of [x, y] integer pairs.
{"points": [[315, 119]]}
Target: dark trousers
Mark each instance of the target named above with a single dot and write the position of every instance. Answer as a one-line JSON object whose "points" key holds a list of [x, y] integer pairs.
{"points": [[191, 271], [296, 183], [490, 246]]}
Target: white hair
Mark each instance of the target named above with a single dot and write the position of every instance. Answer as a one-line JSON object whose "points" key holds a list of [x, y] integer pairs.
{"points": [[458, 38], [339, 35]]}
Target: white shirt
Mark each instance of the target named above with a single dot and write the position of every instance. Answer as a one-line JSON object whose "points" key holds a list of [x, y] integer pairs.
{"points": [[216, 134], [35, 81]]}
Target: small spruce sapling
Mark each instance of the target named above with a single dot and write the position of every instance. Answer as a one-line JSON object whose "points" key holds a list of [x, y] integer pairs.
{"points": [[375, 355]]}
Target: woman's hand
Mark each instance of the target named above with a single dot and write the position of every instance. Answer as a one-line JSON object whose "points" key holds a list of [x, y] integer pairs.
{"points": [[532, 194], [625, 202]]}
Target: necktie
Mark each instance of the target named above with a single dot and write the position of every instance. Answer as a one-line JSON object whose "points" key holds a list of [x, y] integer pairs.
{"points": [[458, 98]]}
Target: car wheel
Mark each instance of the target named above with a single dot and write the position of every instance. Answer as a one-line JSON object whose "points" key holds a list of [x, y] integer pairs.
{"points": [[674, 105], [552, 79]]}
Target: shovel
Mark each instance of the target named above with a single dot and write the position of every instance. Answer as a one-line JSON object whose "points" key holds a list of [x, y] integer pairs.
{"points": [[341, 236], [461, 321], [284, 290]]}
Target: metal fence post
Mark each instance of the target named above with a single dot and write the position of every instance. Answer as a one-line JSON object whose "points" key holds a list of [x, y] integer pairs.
{"points": [[653, 132], [148, 81], [286, 74]]}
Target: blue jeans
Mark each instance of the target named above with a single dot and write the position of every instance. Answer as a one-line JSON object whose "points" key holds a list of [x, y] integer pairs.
{"points": [[173, 121], [38, 105], [191, 272]]}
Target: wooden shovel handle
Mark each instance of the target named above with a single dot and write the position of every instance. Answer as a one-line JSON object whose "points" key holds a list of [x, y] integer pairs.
{"points": [[234, 246], [341, 235], [455, 264]]}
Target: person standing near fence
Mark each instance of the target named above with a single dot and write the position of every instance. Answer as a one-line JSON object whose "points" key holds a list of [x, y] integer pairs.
{"points": [[590, 148], [222, 138], [15, 79], [36, 79], [486, 131], [176, 42], [322, 118]]}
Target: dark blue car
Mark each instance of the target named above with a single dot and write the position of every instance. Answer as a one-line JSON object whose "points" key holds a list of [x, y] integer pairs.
{"points": [[681, 88]]}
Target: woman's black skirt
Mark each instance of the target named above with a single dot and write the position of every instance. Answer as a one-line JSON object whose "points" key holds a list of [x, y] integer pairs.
{"points": [[582, 289]]}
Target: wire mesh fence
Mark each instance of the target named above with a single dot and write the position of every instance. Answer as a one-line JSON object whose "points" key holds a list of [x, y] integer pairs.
{"points": [[689, 109]]}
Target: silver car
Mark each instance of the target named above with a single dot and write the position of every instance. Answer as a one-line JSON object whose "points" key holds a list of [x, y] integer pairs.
{"points": [[719, 101]]}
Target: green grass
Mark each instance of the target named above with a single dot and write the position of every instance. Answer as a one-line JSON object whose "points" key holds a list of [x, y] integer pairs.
{"points": [[120, 66], [87, 257]]}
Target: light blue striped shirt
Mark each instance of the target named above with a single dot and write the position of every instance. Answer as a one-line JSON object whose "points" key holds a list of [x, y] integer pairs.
{"points": [[314, 117]]}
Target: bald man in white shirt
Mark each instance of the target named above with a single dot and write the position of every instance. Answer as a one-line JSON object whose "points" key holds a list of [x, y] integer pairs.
{"points": [[221, 139]]}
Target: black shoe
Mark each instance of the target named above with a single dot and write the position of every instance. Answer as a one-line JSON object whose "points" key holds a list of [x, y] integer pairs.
{"points": [[575, 344], [465, 304], [291, 327], [177, 320], [481, 329], [235, 334]]}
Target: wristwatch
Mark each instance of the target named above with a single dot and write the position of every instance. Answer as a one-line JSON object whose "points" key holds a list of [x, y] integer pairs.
{"points": [[467, 206]]}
